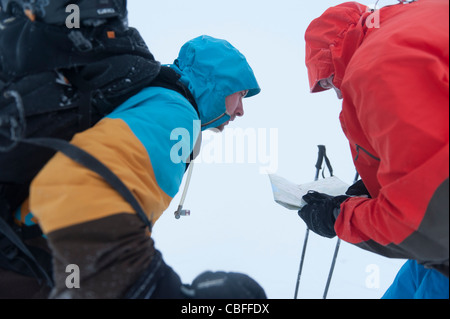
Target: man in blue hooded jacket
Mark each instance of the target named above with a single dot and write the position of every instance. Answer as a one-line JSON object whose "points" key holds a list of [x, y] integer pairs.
{"points": [[89, 225]]}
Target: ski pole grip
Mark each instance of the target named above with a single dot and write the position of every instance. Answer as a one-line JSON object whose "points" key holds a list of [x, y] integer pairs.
{"points": [[322, 151], [321, 156]]}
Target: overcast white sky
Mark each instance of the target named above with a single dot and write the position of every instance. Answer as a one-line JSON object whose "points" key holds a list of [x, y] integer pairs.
{"points": [[235, 224]]}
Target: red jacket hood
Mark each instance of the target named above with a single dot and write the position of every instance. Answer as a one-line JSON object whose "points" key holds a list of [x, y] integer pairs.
{"points": [[331, 41]]}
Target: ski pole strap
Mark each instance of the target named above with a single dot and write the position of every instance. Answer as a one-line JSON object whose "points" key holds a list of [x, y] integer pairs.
{"points": [[84, 158], [321, 157]]}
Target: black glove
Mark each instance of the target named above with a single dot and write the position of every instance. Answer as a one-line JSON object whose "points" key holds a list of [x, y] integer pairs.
{"points": [[222, 285], [358, 189], [321, 212]]}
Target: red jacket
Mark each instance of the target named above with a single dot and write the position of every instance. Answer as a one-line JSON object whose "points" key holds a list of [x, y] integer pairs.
{"points": [[392, 67]]}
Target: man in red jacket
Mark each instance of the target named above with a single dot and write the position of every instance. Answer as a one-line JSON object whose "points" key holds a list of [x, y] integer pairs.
{"points": [[391, 68]]}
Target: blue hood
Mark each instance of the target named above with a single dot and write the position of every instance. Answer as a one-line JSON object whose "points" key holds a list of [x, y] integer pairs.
{"points": [[213, 69]]}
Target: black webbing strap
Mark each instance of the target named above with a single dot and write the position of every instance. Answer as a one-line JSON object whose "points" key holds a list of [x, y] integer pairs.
{"points": [[84, 158], [9, 233]]}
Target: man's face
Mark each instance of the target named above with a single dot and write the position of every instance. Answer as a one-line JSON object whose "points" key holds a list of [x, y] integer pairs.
{"points": [[234, 106]]}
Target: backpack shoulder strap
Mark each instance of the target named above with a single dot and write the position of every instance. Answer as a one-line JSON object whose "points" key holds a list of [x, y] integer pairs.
{"points": [[169, 79], [84, 158], [7, 237]]}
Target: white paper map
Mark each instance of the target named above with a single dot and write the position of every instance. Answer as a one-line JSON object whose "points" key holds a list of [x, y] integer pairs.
{"points": [[290, 195]]}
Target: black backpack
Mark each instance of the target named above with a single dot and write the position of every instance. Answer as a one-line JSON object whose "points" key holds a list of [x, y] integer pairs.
{"points": [[54, 83]]}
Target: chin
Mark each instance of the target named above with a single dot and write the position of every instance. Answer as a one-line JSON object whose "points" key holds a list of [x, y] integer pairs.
{"points": [[218, 129]]}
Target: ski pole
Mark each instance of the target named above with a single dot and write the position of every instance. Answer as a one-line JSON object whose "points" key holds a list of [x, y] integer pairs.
{"points": [[302, 259], [321, 156], [338, 244], [336, 251], [333, 264]]}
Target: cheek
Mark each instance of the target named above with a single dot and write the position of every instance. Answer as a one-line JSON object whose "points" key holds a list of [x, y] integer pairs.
{"points": [[232, 103]]}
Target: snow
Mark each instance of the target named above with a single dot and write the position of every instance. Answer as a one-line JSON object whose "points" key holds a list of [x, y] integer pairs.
{"points": [[235, 224]]}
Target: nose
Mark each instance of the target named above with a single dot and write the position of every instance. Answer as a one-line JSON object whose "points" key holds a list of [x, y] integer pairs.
{"points": [[240, 109]]}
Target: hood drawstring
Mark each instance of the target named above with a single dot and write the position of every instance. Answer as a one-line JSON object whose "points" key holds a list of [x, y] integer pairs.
{"points": [[400, 1], [216, 119], [180, 211]]}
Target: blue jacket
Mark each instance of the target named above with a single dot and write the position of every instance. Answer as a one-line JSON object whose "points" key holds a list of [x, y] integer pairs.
{"points": [[160, 127], [145, 142], [414, 281]]}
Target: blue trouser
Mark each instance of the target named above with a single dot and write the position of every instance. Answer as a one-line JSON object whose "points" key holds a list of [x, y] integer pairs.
{"points": [[414, 281]]}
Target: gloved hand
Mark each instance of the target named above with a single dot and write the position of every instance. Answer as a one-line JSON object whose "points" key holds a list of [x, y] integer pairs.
{"points": [[222, 285], [358, 189], [321, 212]]}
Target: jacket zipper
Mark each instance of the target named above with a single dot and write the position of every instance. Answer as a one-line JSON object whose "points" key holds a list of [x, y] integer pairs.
{"points": [[365, 151]]}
